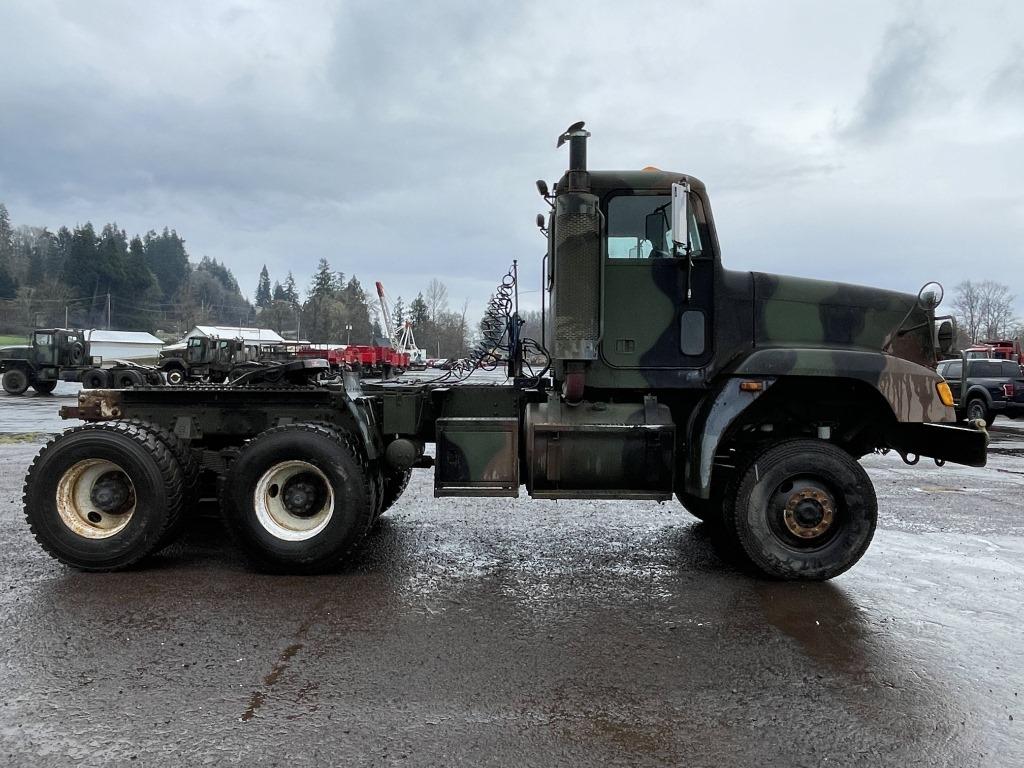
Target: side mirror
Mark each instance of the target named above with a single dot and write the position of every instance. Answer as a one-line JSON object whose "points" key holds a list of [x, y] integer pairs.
{"points": [[654, 229], [945, 335], [930, 296], [681, 216]]}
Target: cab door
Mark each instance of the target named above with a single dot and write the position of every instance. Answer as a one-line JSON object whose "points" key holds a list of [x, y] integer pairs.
{"points": [[657, 307]]}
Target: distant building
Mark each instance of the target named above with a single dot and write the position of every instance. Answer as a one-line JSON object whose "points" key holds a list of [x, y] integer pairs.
{"points": [[136, 346], [248, 335]]}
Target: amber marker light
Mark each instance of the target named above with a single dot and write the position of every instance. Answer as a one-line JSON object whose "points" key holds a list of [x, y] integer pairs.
{"points": [[945, 395], [751, 386]]}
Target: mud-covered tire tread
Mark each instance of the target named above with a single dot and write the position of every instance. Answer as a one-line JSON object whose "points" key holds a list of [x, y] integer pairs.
{"points": [[741, 484], [162, 456], [394, 485], [350, 445], [190, 477]]}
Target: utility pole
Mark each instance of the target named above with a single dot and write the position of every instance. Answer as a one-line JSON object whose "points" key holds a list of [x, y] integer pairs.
{"points": [[348, 327], [65, 315], [108, 310]]}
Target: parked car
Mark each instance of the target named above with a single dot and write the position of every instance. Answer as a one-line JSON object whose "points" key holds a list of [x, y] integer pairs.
{"points": [[990, 388]]}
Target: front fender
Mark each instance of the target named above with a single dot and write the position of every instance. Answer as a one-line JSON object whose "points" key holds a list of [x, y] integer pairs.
{"points": [[908, 388], [707, 425]]}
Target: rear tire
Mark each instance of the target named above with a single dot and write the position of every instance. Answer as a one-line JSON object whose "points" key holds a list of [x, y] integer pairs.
{"points": [[802, 510], [393, 486], [101, 496], [44, 387], [15, 382], [190, 478], [127, 379], [95, 378], [298, 498]]}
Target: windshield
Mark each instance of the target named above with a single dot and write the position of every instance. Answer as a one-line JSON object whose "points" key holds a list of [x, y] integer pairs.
{"points": [[639, 227]]}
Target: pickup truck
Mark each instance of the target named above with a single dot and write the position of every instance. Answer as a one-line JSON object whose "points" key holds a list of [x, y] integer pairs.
{"points": [[991, 387]]}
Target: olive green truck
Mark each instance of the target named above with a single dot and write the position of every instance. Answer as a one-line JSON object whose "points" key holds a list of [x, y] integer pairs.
{"points": [[748, 396]]}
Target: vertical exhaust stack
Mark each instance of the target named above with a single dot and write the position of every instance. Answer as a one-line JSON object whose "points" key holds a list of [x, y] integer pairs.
{"points": [[576, 261]]}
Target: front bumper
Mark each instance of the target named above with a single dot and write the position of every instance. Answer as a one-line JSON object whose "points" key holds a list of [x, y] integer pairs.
{"points": [[944, 442]]}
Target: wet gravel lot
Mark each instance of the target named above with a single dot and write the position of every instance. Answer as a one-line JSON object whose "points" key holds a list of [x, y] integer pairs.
{"points": [[518, 632]]}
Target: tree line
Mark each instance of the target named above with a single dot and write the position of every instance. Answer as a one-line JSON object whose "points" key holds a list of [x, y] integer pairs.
{"points": [[339, 310], [82, 277]]}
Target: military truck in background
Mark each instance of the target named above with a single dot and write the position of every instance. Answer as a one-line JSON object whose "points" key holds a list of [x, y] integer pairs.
{"points": [[63, 354], [208, 358], [748, 396]]}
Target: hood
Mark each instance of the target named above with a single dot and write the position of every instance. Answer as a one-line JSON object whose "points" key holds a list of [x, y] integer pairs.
{"points": [[797, 312], [15, 352]]}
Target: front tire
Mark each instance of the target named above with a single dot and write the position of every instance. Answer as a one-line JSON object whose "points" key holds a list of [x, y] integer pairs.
{"points": [[100, 497], [803, 510], [44, 387], [15, 382], [298, 498], [175, 377]]}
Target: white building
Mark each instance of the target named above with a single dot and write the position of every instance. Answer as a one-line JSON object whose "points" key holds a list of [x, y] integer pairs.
{"points": [[136, 346], [248, 335]]}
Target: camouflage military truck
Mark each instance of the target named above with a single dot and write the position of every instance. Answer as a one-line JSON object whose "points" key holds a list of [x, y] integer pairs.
{"points": [[63, 354], [209, 359], [748, 396]]}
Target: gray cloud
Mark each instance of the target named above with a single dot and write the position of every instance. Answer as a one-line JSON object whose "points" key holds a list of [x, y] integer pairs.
{"points": [[898, 84], [401, 140]]}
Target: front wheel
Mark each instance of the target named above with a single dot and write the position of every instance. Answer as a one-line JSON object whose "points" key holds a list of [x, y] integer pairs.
{"points": [[175, 377], [803, 510], [15, 382], [298, 498], [44, 387]]}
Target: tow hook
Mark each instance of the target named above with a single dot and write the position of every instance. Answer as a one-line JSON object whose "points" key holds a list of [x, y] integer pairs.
{"points": [[979, 425]]}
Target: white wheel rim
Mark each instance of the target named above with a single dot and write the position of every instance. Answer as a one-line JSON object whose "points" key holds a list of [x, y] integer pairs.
{"points": [[81, 503], [269, 501]]}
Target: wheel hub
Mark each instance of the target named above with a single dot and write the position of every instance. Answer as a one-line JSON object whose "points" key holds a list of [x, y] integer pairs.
{"points": [[301, 497], [111, 493], [808, 513]]}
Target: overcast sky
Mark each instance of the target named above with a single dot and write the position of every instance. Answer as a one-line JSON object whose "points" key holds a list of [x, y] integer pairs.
{"points": [[880, 143]]}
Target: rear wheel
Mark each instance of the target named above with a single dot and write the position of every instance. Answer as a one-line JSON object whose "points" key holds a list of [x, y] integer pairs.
{"points": [[95, 378], [393, 486], [15, 382], [44, 387], [127, 379], [299, 498], [101, 496], [190, 477], [976, 409], [802, 510]]}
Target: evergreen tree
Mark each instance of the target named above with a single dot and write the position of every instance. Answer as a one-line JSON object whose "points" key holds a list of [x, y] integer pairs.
{"points": [[419, 313], [6, 238], [291, 293], [168, 261], [8, 288], [278, 294], [263, 295]]}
